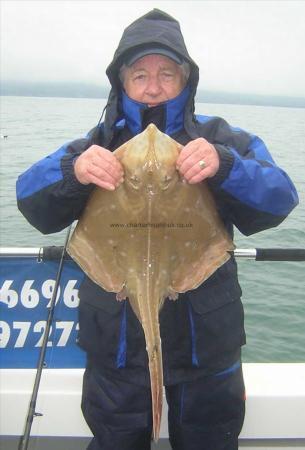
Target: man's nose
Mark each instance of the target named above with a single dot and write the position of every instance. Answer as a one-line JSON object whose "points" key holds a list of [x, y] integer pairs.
{"points": [[153, 87]]}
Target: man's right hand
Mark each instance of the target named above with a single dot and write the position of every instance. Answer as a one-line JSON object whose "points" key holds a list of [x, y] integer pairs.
{"points": [[99, 166]]}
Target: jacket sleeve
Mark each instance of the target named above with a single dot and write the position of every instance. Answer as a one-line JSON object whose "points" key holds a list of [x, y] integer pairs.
{"points": [[254, 193], [48, 193]]}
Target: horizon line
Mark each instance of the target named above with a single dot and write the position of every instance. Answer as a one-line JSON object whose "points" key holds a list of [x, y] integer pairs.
{"points": [[79, 89]]}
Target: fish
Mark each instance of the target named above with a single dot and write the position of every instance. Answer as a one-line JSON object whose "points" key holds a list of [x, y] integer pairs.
{"points": [[153, 237]]}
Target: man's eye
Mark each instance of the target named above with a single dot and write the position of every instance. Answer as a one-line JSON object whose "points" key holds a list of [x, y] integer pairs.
{"points": [[139, 77]]}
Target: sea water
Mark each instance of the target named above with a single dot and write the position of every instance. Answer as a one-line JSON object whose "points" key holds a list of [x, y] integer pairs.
{"points": [[273, 292]]}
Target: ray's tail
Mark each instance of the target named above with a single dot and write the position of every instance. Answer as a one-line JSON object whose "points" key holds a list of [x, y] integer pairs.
{"points": [[146, 308], [156, 383]]}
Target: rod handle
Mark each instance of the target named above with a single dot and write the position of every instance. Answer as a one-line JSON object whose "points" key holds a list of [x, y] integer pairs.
{"points": [[280, 254]]}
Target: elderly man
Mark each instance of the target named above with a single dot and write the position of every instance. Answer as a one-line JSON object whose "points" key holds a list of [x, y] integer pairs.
{"points": [[154, 80], [151, 79]]}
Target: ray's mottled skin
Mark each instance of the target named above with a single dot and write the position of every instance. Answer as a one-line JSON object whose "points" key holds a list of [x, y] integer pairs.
{"points": [[151, 238]]}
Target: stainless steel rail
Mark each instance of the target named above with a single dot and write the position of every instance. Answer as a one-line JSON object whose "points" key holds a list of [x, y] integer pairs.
{"points": [[28, 252], [257, 254]]}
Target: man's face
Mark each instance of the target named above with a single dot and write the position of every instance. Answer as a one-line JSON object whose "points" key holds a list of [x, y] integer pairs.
{"points": [[153, 79]]}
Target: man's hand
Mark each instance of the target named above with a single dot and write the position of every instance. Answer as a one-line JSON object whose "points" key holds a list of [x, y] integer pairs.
{"points": [[198, 160], [99, 166]]}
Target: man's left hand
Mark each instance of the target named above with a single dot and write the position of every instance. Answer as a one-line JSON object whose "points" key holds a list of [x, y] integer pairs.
{"points": [[198, 160]]}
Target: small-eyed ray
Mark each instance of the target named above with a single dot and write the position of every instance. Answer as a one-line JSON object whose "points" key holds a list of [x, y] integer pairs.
{"points": [[153, 237]]}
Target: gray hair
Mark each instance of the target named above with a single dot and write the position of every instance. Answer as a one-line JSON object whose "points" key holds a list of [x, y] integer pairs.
{"points": [[185, 69]]}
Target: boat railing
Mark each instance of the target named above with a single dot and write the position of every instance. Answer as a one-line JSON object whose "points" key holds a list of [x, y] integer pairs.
{"points": [[257, 254]]}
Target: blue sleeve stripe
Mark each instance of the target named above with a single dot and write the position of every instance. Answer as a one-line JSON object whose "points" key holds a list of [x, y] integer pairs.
{"points": [[255, 179], [204, 119], [40, 175], [267, 189], [260, 150]]}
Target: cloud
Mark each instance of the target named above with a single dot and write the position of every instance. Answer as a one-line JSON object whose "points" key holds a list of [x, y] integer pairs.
{"points": [[253, 46]]}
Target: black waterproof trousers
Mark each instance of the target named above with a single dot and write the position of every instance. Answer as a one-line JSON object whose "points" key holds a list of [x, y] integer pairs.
{"points": [[206, 414]]}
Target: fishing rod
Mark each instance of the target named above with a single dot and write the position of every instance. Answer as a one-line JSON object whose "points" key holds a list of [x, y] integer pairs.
{"points": [[24, 440]]}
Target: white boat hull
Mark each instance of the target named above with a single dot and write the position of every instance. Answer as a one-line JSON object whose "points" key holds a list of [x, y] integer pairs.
{"points": [[275, 402]]}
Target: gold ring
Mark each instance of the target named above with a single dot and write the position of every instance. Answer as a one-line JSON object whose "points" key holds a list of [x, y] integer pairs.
{"points": [[202, 164]]}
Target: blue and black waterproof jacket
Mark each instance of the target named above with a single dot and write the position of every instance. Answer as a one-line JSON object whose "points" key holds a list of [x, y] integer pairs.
{"points": [[202, 333]]}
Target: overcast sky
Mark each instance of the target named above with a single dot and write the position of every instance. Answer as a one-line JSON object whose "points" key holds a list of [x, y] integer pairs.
{"points": [[240, 46]]}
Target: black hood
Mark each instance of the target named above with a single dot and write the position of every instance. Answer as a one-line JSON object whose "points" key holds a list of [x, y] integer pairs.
{"points": [[158, 29]]}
